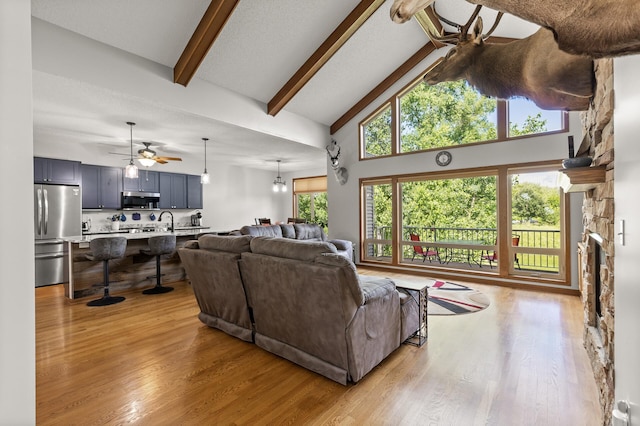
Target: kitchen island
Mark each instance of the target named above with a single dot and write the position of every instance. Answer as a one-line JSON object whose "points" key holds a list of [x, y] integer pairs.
{"points": [[131, 271]]}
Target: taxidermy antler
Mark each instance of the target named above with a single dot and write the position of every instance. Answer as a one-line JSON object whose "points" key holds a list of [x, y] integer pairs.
{"points": [[533, 67], [596, 28]]}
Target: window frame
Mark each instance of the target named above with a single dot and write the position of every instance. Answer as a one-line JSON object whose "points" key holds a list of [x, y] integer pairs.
{"points": [[505, 270], [502, 125]]}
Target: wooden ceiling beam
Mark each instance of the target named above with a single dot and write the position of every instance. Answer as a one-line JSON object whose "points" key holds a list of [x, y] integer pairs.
{"points": [[203, 37], [327, 49]]}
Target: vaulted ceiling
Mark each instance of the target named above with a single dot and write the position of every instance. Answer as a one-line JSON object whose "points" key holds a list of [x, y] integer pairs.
{"points": [[321, 60]]}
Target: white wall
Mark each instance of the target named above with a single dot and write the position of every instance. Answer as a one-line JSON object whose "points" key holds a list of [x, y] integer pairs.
{"points": [[344, 200], [17, 293], [627, 290], [60, 52]]}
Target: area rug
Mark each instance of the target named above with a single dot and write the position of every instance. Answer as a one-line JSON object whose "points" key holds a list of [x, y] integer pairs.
{"points": [[447, 298]]}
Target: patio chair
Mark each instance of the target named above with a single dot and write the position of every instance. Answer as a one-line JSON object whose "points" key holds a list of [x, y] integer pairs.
{"points": [[493, 257], [293, 220], [422, 251]]}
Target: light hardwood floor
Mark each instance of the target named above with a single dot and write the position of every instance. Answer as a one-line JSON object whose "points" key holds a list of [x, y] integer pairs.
{"points": [[150, 361]]}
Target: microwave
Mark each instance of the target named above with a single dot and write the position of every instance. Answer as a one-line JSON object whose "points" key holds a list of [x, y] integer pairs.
{"points": [[140, 201]]}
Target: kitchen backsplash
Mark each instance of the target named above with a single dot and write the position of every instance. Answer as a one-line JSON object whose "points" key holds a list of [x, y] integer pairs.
{"points": [[102, 221]]}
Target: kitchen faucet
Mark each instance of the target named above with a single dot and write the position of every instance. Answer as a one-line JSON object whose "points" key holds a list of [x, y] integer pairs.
{"points": [[160, 218]]}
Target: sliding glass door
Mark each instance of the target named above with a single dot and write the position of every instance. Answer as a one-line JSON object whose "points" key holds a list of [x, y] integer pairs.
{"points": [[503, 221]]}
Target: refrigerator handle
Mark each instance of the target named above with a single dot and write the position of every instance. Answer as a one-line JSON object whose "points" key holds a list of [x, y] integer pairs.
{"points": [[46, 211], [39, 196]]}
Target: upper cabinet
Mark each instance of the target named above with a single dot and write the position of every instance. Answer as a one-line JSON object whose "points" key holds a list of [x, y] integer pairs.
{"points": [[173, 191], [147, 181], [54, 171], [101, 187], [194, 192]]}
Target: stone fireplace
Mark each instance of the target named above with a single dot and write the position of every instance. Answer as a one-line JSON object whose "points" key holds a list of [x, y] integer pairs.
{"points": [[596, 250]]}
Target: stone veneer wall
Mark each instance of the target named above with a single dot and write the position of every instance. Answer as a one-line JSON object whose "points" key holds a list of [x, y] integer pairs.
{"points": [[598, 217]]}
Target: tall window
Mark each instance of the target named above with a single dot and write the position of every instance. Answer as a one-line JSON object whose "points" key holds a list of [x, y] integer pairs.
{"points": [[376, 134], [536, 221], [310, 200], [377, 211], [452, 221], [446, 114], [450, 114]]}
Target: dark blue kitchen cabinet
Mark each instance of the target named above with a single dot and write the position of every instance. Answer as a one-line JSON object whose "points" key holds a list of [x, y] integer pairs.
{"points": [[54, 171], [101, 187], [194, 192], [173, 191], [147, 181]]}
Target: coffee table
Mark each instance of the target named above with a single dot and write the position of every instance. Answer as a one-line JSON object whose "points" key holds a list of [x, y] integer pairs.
{"points": [[419, 292]]}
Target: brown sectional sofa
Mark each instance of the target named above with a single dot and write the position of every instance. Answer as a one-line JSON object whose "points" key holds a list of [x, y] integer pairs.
{"points": [[306, 303]]}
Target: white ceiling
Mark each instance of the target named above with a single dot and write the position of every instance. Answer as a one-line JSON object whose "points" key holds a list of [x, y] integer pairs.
{"points": [[262, 45]]}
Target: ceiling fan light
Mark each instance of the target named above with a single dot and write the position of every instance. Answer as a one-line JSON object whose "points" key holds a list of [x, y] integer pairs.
{"points": [[146, 162], [131, 171]]}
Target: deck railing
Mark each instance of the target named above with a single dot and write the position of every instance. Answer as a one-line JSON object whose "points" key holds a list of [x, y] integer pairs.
{"points": [[451, 241]]}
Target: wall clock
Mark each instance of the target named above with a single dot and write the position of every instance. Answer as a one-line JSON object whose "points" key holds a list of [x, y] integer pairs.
{"points": [[443, 158]]}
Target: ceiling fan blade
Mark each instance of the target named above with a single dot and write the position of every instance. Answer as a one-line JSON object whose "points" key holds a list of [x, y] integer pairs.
{"points": [[168, 158], [160, 161]]}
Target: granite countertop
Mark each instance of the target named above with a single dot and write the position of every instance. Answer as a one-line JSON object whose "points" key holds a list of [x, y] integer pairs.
{"points": [[179, 232]]}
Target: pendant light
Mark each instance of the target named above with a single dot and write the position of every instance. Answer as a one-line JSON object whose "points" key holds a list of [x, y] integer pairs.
{"points": [[204, 177], [279, 185], [131, 171]]}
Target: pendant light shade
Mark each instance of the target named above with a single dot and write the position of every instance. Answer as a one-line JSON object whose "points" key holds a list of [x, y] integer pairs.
{"points": [[204, 177], [131, 171], [279, 185], [147, 162]]}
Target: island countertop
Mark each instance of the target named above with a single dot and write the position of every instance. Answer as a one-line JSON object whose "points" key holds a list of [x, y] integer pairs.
{"points": [[136, 234]]}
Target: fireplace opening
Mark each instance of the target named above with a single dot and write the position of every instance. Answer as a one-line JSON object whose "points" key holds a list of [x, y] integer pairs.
{"points": [[598, 259]]}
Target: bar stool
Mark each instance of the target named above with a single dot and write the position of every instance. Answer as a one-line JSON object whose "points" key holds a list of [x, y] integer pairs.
{"points": [[105, 249], [162, 244]]}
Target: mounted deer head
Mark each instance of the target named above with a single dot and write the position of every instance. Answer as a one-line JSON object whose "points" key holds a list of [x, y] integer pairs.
{"points": [[341, 173], [596, 28], [534, 68]]}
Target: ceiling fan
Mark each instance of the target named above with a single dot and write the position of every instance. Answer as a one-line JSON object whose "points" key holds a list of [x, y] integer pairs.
{"points": [[148, 157], [147, 153]]}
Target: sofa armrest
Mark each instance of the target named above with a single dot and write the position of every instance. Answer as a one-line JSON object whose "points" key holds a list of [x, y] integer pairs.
{"points": [[342, 244], [375, 329], [375, 287], [191, 244]]}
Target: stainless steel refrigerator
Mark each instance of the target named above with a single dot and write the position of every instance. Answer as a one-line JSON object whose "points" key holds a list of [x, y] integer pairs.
{"points": [[58, 214]]}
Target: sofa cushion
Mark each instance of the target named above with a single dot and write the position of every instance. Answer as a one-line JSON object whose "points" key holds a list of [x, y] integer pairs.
{"points": [[291, 249], [309, 231], [233, 244], [288, 231], [262, 230]]}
